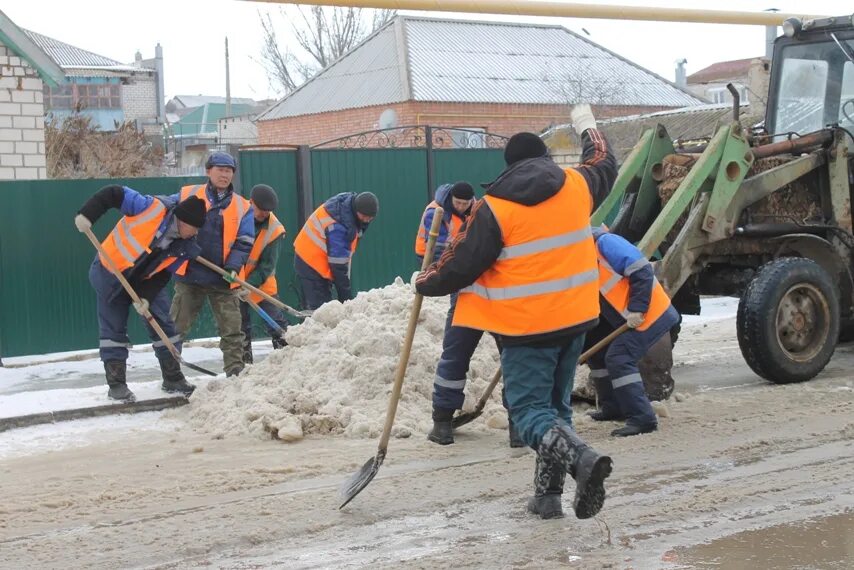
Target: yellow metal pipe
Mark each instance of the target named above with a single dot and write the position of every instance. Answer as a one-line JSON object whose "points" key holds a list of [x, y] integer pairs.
{"points": [[564, 10]]}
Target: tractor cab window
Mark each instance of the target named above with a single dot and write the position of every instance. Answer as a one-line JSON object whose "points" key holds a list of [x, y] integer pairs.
{"points": [[814, 87], [846, 102], [800, 98]]}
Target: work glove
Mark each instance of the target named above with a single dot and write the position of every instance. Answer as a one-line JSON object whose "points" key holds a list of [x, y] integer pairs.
{"points": [[412, 281], [634, 320], [231, 277], [243, 294], [141, 307], [82, 223], [582, 118]]}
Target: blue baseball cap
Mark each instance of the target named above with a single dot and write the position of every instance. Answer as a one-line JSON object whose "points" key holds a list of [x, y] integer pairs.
{"points": [[220, 159]]}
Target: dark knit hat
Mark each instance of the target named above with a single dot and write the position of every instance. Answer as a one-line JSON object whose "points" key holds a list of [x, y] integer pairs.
{"points": [[522, 146], [367, 204], [192, 211], [264, 197], [462, 191]]}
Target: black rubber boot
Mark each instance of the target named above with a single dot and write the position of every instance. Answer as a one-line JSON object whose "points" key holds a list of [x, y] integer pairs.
{"points": [[590, 469], [605, 416], [279, 342], [515, 439], [549, 477], [116, 372], [443, 427], [630, 430], [173, 379], [248, 358]]}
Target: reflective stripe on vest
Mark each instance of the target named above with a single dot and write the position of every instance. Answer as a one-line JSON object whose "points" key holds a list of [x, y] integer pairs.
{"points": [[545, 278], [616, 290], [265, 237], [452, 230], [133, 235], [231, 216], [310, 243]]}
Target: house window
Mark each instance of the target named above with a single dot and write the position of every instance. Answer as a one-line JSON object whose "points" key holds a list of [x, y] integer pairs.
{"points": [[83, 96], [58, 97], [468, 137], [98, 96], [722, 94]]}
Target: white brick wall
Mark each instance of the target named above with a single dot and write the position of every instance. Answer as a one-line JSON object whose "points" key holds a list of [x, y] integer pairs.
{"points": [[139, 98], [237, 130], [22, 148]]}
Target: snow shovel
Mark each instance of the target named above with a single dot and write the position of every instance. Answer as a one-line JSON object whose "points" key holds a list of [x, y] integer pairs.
{"points": [[217, 269], [467, 417], [147, 315], [266, 316], [354, 485]]}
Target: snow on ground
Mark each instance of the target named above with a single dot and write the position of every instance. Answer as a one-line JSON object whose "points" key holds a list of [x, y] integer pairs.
{"points": [[81, 433], [52, 384]]}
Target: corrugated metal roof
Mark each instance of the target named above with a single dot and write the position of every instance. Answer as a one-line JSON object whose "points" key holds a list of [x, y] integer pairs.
{"points": [[496, 62], [68, 55], [191, 101], [370, 74], [203, 120], [429, 59]]}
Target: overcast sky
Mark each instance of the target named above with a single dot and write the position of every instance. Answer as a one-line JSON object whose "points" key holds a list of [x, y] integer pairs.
{"points": [[192, 34]]}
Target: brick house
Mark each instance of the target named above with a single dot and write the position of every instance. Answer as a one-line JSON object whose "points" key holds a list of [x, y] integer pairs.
{"points": [[24, 70], [749, 76], [486, 76], [105, 89]]}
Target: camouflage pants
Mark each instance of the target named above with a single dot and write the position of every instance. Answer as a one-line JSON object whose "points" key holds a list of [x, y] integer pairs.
{"points": [[188, 302]]}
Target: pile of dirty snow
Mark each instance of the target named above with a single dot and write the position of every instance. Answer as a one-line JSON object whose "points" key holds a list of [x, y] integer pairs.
{"points": [[336, 374]]}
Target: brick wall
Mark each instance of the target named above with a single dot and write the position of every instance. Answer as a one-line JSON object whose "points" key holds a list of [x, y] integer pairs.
{"points": [[237, 130], [139, 98], [503, 119], [22, 148]]}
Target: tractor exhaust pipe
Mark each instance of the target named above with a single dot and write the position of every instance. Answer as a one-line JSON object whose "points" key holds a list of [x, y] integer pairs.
{"points": [[736, 101]]}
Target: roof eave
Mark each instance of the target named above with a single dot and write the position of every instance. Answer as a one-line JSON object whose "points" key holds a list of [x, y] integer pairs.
{"points": [[12, 36]]}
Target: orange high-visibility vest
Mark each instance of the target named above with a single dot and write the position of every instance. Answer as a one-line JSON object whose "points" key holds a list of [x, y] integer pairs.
{"points": [[265, 237], [451, 229], [615, 290], [545, 278], [310, 244], [132, 236], [231, 216]]}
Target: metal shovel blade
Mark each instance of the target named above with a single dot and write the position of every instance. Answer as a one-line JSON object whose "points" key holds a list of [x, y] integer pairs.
{"points": [[466, 417], [354, 485]]}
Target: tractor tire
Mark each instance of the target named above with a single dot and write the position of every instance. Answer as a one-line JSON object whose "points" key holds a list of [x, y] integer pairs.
{"points": [[788, 320]]}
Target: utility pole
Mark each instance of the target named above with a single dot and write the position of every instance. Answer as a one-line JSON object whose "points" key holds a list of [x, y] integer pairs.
{"points": [[227, 83]]}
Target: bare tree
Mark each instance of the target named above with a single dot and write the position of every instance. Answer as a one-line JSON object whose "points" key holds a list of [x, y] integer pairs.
{"points": [[323, 33]]}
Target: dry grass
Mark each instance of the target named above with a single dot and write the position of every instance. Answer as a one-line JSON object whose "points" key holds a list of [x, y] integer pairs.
{"points": [[77, 149]]}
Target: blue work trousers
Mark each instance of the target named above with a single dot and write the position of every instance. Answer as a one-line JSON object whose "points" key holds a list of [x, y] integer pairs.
{"points": [[616, 374], [458, 346], [114, 306]]}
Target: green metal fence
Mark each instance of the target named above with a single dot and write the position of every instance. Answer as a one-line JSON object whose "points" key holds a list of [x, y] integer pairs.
{"points": [[399, 179], [47, 304]]}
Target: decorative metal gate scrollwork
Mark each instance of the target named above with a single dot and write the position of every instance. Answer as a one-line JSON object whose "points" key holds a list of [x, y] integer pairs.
{"points": [[418, 136]]}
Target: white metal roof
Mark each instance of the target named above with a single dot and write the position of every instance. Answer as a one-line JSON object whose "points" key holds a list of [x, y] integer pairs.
{"points": [[430, 59]]}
